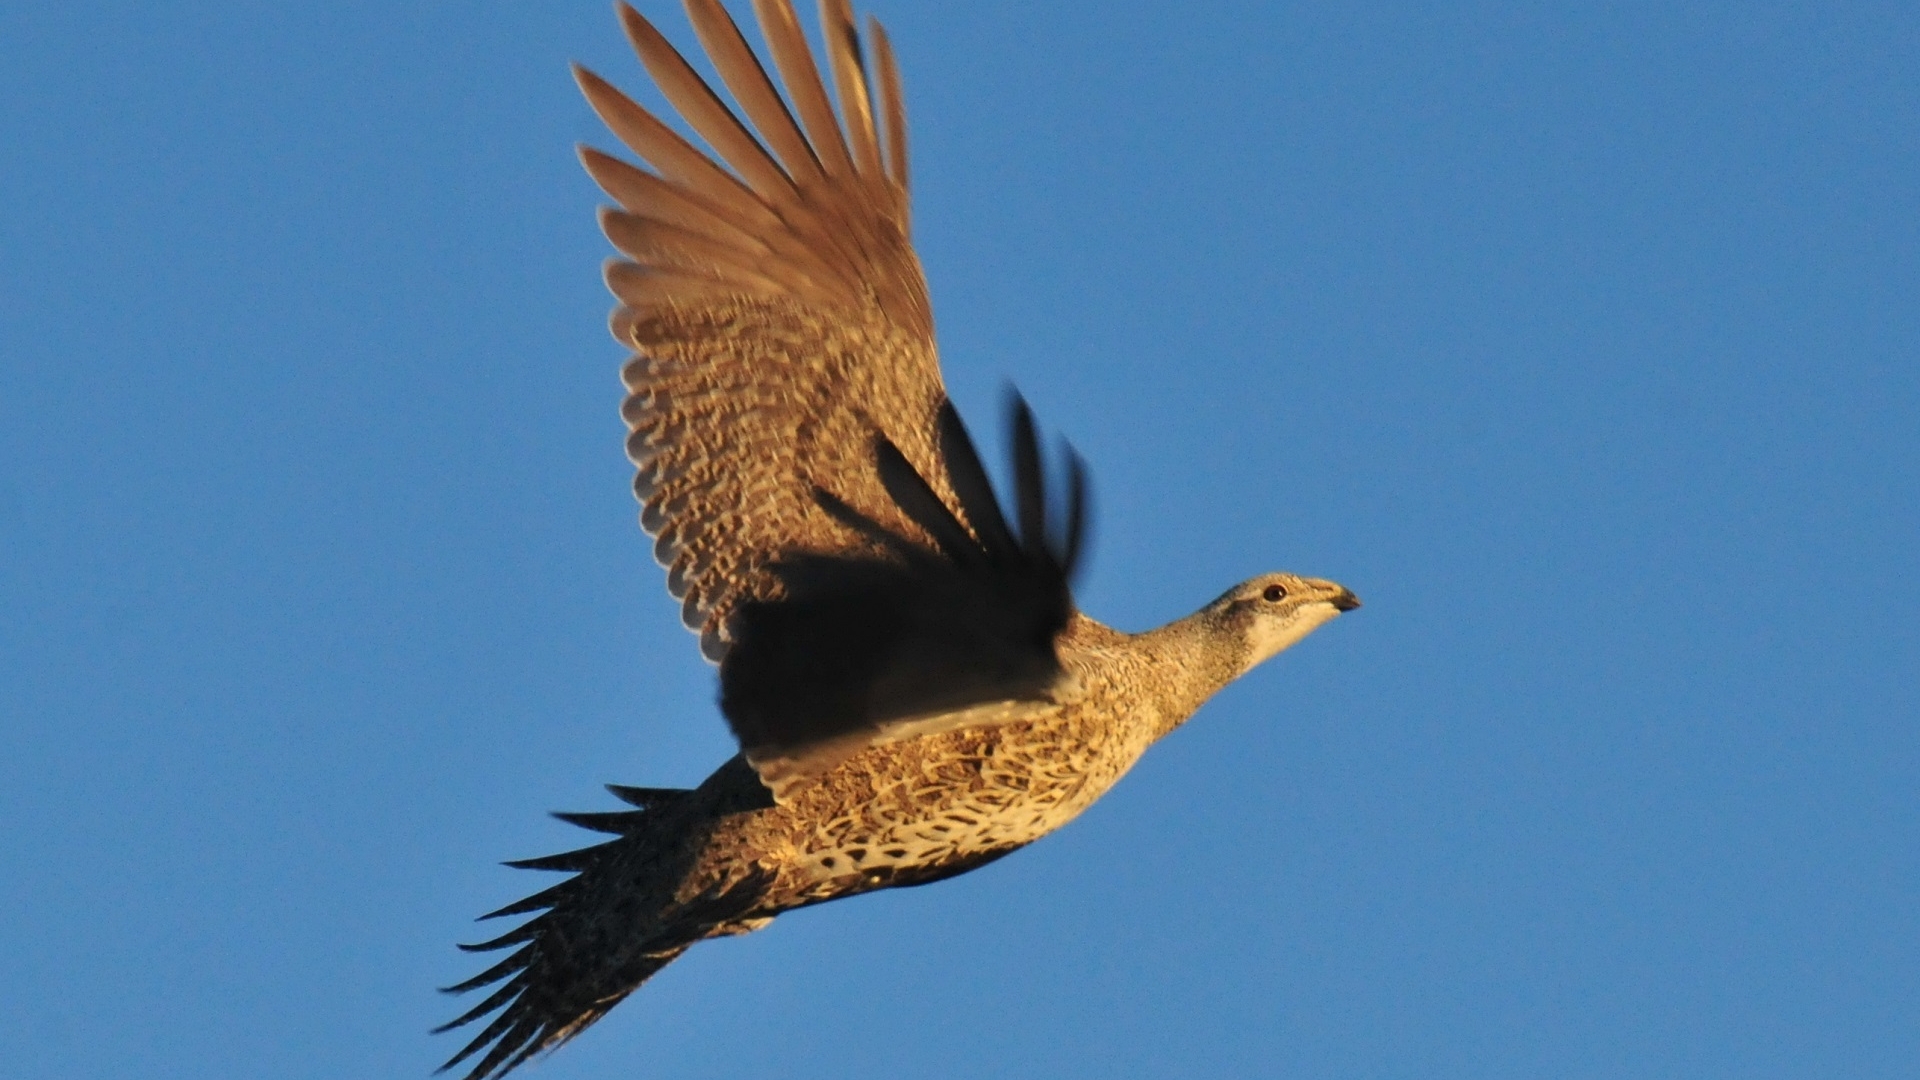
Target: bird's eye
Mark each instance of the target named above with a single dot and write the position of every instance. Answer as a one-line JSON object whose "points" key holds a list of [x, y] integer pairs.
{"points": [[1274, 593]]}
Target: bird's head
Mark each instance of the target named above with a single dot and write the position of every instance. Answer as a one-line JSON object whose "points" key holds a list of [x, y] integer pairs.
{"points": [[1268, 613]]}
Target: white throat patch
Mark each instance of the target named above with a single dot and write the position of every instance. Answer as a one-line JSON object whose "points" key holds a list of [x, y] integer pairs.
{"points": [[1270, 638]]}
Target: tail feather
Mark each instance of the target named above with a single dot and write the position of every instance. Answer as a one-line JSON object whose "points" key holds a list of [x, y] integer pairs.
{"points": [[524, 932], [599, 935], [646, 798], [617, 822], [571, 862], [552, 986], [488, 977], [540, 901]]}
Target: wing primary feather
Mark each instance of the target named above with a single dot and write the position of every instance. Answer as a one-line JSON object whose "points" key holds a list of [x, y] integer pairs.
{"points": [[708, 115], [874, 532], [741, 70], [641, 192], [1029, 481], [893, 112], [1078, 512], [658, 199], [794, 59], [850, 79], [801, 76], [643, 287], [971, 485], [831, 233], [676, 158], [916, 498], [655, 243]]}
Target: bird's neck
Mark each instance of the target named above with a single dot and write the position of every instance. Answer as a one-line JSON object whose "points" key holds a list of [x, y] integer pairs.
{"points": [[1188, 661]]}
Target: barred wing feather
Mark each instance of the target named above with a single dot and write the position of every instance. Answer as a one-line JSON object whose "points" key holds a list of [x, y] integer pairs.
{"points": [[821, 513], [775, 304]]}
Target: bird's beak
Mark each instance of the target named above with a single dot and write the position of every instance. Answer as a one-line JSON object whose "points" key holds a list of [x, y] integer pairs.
{"points": [[1344, 600]]}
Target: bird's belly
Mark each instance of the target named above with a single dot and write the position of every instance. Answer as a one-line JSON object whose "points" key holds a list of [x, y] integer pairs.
{"points": [[922, 809]]}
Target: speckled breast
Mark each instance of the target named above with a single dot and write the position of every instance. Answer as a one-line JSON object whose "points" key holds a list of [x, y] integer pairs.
{"points": [[917, 811]]}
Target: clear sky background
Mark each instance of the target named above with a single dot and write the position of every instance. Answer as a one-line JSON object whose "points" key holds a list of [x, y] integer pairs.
{"points": [[1585, 347]]}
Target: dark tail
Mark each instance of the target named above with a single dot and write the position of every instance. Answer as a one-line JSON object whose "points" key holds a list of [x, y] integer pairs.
{"points": [[600, 934]]}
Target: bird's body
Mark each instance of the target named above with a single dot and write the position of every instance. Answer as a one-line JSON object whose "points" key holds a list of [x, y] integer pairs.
{"points": [[914, 692], [914, 810]]}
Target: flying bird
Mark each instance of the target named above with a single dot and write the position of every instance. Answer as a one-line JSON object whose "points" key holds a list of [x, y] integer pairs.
{"points": [[913, 690]]}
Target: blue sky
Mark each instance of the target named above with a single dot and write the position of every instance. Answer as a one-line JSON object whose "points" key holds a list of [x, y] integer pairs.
{"points": [[1583, 346]]}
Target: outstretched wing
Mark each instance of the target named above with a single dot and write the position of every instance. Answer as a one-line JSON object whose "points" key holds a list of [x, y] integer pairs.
{"points": [[819, 508], [859, 649], [776, 307]]}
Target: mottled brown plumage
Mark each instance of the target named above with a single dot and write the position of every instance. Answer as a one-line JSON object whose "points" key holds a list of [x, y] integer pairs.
{"points": [[914, 692]]}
